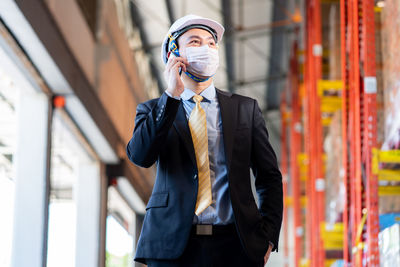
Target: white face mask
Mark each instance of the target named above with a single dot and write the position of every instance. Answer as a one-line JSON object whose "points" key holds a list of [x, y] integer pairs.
{"points": [[203, 60]]}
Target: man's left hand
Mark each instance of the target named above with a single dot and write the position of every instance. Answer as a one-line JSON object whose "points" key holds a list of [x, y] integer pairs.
{"points": [[266, 257]]}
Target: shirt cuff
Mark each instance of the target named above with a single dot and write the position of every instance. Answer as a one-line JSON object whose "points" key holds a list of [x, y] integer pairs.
{"points": [[272, 244], [176, 97]]}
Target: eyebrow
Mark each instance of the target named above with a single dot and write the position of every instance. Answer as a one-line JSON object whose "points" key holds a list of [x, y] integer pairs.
{"points": [[198, 37]]}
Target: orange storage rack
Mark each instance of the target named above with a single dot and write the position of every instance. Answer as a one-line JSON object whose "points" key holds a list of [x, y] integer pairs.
{"points": [[359, 136], [361, 219]]}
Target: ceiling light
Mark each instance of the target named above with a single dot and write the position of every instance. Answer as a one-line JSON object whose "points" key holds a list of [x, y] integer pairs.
{"points": [[380, 3]]}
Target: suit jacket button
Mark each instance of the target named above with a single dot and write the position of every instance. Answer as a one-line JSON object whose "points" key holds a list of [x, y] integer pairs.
{"points": [[195, 176]]}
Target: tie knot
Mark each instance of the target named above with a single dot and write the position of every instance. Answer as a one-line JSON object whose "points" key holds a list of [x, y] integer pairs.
{"points": [[197, 98]]}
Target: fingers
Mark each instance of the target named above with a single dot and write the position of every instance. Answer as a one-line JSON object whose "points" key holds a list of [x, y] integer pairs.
{"points": [[176, 67], [180, 65], [172, 60], [172, 76]]}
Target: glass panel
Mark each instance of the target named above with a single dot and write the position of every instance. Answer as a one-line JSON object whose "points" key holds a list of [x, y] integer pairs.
{"points": [[120, 231], [66, 155], [8, 132]]}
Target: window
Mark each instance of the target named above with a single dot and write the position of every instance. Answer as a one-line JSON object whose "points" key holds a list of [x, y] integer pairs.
{"points": [[66, 156], [8, 129], [120, 231]]}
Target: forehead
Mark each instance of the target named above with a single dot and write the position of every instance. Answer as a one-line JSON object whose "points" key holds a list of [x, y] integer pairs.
{"points": [[196, 32]]}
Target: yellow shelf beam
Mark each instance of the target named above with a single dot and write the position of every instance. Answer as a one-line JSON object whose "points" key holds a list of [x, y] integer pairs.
{"points": [[389, 190], [330, 85], [389, 156]]}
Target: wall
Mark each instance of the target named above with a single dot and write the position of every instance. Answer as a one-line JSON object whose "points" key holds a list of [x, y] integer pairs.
{"points": [[107, 59]]}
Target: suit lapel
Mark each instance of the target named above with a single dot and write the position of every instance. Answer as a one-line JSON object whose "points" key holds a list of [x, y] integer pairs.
{"points": [[182, 126], [228, 108]]}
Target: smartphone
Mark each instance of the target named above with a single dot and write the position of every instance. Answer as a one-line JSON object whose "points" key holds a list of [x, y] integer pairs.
{"points": [[176, 54]]}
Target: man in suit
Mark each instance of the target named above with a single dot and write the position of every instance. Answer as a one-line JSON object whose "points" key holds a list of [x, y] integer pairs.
{"points": [[204, 141]]}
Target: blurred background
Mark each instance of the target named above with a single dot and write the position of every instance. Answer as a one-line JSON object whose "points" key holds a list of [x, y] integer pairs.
{"points": [[324, 72]]}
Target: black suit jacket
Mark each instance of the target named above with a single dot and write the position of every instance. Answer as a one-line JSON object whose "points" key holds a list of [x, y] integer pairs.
{"points": [[162, 136]]}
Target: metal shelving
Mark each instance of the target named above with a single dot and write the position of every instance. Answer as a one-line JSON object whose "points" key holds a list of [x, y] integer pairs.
{"points": [[361, 218], [356, 97]]}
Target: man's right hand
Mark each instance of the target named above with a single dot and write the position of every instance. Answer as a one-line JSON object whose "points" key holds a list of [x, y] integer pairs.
{"points": [[171, 74]]}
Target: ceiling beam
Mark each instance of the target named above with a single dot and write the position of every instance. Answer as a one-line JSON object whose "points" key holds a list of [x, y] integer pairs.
{"points": [[229, 43], [277, 61], [240, 36], [138, 22], [263, 79], [170, 11], [283, 30]]}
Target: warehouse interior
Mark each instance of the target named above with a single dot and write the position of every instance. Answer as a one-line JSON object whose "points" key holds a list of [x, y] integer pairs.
{"points": [[326, 74]]}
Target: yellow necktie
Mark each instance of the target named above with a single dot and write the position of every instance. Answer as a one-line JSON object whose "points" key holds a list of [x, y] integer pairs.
{"points": [[198, 130]]}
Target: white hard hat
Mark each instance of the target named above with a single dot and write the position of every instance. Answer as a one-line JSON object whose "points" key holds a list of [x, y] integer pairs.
{"points": [[187, 21]]}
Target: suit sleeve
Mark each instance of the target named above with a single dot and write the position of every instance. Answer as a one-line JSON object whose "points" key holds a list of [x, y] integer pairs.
{"points": [[268, 178], [152, 124]]}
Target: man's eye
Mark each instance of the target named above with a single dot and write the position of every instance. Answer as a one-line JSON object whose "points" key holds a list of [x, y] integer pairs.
{"points": [[194, 42]]}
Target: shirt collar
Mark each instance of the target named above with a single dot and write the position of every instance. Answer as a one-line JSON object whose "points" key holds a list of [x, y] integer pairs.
{"points": [[209, 93]]}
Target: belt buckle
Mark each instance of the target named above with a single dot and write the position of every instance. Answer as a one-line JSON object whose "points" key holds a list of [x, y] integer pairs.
{"points": [[204, 229]]}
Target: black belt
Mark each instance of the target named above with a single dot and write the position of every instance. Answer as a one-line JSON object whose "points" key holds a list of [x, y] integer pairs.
{"points": [[209, 229]]}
